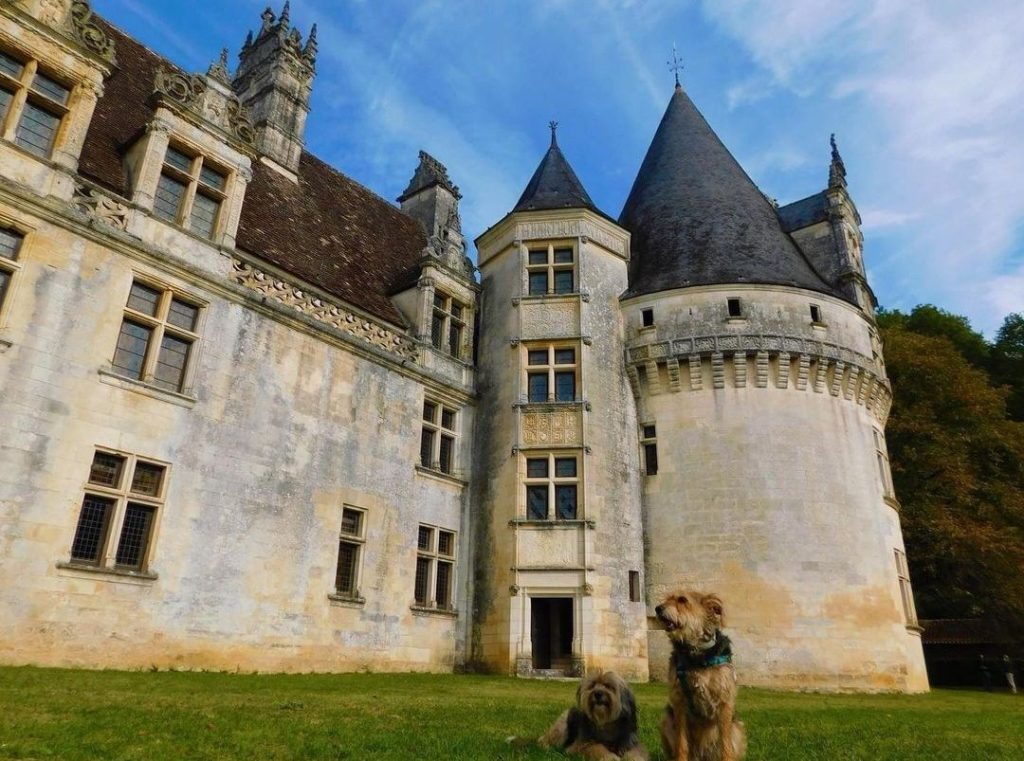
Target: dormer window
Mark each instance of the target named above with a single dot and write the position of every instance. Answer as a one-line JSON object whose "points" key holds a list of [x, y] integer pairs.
{"points": [[190, 192], [448, 324], [35, 118]]}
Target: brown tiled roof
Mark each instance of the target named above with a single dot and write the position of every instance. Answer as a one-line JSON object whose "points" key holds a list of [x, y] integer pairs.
{"points": [[332, 232], [327, 230], [962, 631]]}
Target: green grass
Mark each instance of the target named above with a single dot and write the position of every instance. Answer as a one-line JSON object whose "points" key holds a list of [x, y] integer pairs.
{"points": [[117, 716]]}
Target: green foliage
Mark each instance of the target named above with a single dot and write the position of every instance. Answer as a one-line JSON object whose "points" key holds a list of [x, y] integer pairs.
{"points": [[958, 468], [930, 320], [86, 715], [1008, 363]]}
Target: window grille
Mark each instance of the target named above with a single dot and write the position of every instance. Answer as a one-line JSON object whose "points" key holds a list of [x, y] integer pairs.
{"points": [[116, 506]]}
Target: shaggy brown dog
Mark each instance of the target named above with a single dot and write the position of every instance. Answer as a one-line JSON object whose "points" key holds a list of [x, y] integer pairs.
{"points": [[698, 724], [602, 726]]}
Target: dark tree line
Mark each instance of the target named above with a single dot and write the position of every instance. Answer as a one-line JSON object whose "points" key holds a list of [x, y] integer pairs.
{"points": [[956, 445]]}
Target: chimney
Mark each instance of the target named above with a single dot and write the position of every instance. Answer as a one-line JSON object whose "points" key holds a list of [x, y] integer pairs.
{"points": [[274, 79]]}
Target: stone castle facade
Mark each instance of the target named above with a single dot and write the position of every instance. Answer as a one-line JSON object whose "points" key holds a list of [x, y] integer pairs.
{"points": [[254, 416]]}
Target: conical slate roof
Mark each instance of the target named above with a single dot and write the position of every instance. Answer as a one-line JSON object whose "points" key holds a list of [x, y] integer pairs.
{"points": [[554, 185], [696, 218]]}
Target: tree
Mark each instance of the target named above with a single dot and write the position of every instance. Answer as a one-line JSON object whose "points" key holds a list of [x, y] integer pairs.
{"points": [[930, 320], [1008, 363], [958, 468]]}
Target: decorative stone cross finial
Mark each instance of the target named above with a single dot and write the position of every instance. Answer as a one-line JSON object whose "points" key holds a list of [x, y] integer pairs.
{"points": [[675, 65], [553, 125]]}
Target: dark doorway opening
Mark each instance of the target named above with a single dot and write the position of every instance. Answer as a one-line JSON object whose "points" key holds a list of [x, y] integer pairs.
{"points": [[552, 632]]}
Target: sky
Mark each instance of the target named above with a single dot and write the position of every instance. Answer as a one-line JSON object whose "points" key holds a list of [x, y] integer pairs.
{"points": [[926, 98]]}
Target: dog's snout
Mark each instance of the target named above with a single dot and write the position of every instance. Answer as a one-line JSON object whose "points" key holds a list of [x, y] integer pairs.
{"points": [[601, 697], [659, 609]]}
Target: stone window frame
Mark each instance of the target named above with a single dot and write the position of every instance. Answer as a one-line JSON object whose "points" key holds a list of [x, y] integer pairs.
{"points": [[200, 165], [160, 327], [635, 590], [647, 318], [438, 432], [906, 591], [10, 267], [552, 369], [551, 481], [25, 93], [551, 267], [448, 321], [884, 469], [356, 541], [649, 446], [120, 497], [816, 315], [430, 558], [734, 309]]}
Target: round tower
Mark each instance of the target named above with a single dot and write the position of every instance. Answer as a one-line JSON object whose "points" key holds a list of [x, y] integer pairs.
{"points": [[558, 564], [762, 398]]}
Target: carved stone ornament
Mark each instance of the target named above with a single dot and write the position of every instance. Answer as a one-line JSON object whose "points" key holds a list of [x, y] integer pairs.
{"points": [[101, 208], [82, 26], [224, 111], [186, 89], [333, 314]]}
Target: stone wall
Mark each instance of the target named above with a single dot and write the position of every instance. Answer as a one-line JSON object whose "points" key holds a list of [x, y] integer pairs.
{"points": [[289, 417]]}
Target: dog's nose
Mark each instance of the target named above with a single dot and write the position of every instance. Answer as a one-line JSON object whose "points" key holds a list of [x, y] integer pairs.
{"points": [[659, 609]]}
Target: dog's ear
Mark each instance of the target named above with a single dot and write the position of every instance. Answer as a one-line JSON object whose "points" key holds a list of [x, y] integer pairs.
{"points": [[713, 605], [629, 710]]}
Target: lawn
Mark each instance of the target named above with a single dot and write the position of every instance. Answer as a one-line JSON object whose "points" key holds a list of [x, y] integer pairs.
{"points": [[116, 716]]}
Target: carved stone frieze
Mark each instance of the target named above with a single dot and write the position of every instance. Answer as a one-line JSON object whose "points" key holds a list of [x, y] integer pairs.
{"points": [[569, 229], [547, 319], [552, 428], [329, 313], [101, 207]]}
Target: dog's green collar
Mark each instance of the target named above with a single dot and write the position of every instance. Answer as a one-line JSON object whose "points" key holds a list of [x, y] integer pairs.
{"points": [[718, 654]]}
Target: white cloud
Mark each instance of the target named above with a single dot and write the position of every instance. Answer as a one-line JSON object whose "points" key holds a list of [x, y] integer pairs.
{"points": [[939, 91]]}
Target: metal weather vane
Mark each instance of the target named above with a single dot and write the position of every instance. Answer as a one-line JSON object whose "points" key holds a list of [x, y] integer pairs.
{"points": [[675, 65]]}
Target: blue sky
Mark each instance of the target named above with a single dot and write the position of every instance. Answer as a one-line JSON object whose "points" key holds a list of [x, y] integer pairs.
{"points": [[926, 98]]}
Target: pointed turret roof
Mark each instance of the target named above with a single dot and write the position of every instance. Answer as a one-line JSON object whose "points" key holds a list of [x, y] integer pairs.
{"points": [[696, 218], [554, 185]]}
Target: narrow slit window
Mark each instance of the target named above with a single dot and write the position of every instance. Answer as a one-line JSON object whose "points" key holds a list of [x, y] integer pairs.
{"points": [[634, 586], [647, 316], [649, 444], [734, 307]]}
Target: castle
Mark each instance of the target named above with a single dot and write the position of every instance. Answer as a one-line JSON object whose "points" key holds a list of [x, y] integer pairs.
{"points": [[253, 416]]}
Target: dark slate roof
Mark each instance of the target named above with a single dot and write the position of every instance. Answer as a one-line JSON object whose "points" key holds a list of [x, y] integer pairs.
{"points": [[806, 211], [554, 185], [696, 218], [327, 230]]}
